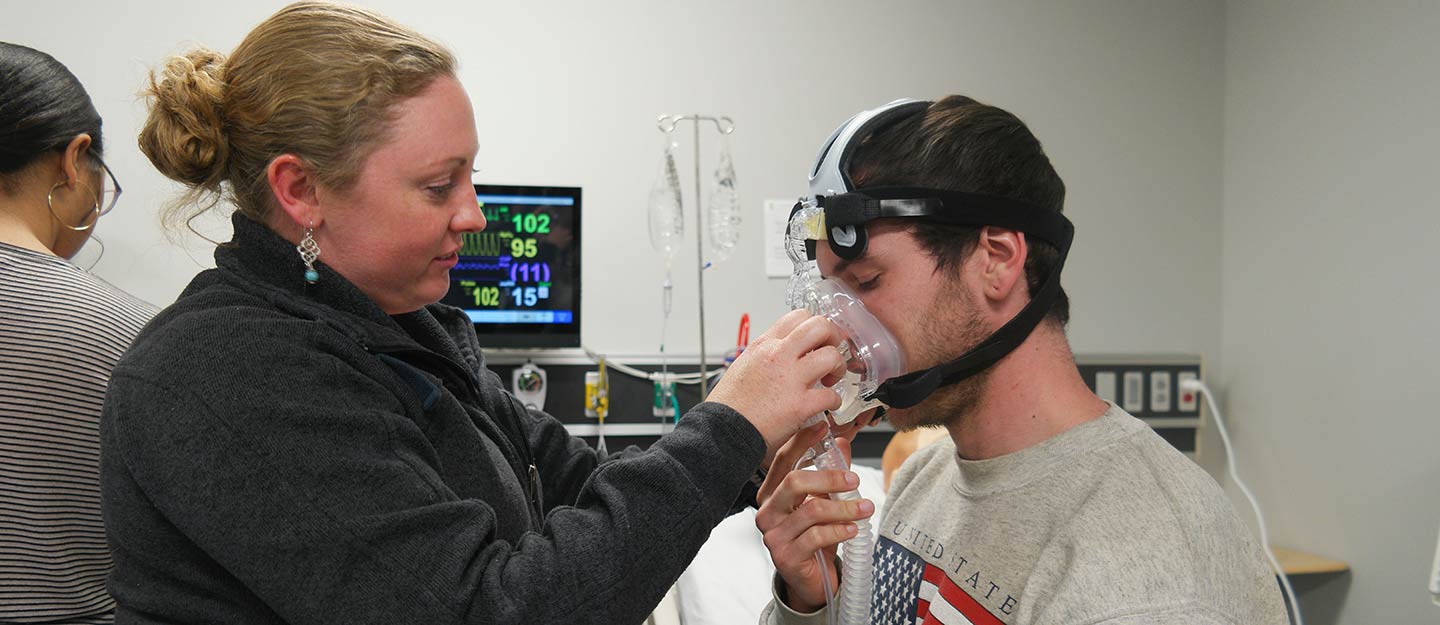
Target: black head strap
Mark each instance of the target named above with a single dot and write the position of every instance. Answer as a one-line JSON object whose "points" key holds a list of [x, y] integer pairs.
{"points": [[847, 213]]}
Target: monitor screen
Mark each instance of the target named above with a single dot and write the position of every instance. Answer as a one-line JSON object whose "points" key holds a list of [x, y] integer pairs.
{"points": [[519, 279]]}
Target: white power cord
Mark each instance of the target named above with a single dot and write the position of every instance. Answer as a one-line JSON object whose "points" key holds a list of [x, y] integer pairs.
{"points": [[1195, 385], [1435, 576], [678, 378]]}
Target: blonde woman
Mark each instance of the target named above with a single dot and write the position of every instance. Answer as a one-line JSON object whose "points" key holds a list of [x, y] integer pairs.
{"points": [[305, 436]]}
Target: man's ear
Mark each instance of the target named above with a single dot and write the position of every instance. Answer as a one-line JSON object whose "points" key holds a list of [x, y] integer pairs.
{"points": [[295, 190], [1002, 254]]}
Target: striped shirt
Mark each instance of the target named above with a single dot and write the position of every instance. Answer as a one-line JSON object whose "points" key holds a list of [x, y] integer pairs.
{"points": [[61, 331]]}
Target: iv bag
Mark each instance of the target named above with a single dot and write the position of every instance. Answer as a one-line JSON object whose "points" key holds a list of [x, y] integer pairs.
{"points": [[724, 207], [667, 216]]}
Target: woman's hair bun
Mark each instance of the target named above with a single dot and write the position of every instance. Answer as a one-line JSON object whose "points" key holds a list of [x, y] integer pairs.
{"points": [[184, 135]]}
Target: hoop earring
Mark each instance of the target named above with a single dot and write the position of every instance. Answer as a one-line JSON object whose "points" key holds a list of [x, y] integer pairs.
{"points": [[309, 251], [50, 204]]}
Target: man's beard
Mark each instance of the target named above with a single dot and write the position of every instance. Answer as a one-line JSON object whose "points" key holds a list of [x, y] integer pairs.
{"points": [[952, 320]]}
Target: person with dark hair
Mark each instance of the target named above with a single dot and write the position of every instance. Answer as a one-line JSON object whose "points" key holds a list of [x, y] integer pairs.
{"points": [[61, 332], [307, 436], [1045, 504]]}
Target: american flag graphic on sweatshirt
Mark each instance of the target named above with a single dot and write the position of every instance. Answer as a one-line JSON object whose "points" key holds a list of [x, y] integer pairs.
{"points": [[911, 591]]}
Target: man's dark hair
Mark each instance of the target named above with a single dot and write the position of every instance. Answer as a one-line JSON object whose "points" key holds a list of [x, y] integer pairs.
{"points": [[959, 144], [42, 108]]}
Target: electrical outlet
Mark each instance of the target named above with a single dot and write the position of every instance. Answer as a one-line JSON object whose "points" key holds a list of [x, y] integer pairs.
{"points": [[1160, 391], [1189, 400], [1134, 389]]}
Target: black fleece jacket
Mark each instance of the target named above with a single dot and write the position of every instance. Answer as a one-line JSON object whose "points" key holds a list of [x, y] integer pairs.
{"points": [[277, 452]]}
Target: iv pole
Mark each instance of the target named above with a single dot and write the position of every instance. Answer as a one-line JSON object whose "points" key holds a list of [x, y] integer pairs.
{"points": [[667, 124]]}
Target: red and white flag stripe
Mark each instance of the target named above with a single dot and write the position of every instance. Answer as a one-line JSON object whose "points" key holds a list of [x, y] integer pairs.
{"points": [[941, 602]]}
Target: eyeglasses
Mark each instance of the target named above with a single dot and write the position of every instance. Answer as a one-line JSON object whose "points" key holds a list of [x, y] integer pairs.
{"points": [[109, 193]]}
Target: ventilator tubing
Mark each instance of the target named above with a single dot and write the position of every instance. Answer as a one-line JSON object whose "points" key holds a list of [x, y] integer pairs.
{"points": [[859, 552]]}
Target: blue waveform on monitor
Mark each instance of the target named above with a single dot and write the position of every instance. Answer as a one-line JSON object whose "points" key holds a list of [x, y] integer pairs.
{"points": [[480, 266]]}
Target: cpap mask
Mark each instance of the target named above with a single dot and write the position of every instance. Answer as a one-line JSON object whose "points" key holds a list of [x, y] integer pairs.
{"points": [[871, 353], [836, 212]]}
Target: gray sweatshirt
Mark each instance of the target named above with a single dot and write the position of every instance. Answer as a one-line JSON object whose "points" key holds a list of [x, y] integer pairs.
{"points": [[1105, 523]]}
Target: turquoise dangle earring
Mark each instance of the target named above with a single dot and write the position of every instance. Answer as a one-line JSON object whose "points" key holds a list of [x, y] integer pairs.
{"points": [[309, 251]]}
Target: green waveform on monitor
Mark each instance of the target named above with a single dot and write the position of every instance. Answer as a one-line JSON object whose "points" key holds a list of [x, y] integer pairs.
{"points": [[497, 213], [485, 243]]}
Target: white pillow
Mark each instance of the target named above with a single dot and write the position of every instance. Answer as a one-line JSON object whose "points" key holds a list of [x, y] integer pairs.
{"points": [[729, 580]]}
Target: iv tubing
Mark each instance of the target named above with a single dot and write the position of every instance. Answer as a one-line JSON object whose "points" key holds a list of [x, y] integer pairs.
{"points": [[664, 324]]}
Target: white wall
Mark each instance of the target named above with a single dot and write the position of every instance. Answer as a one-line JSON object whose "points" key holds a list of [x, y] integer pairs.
{"points": [[1331, 305], [1124, 94]]}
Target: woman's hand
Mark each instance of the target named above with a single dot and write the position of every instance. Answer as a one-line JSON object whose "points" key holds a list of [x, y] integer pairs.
{"points": [[775, 383]]}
